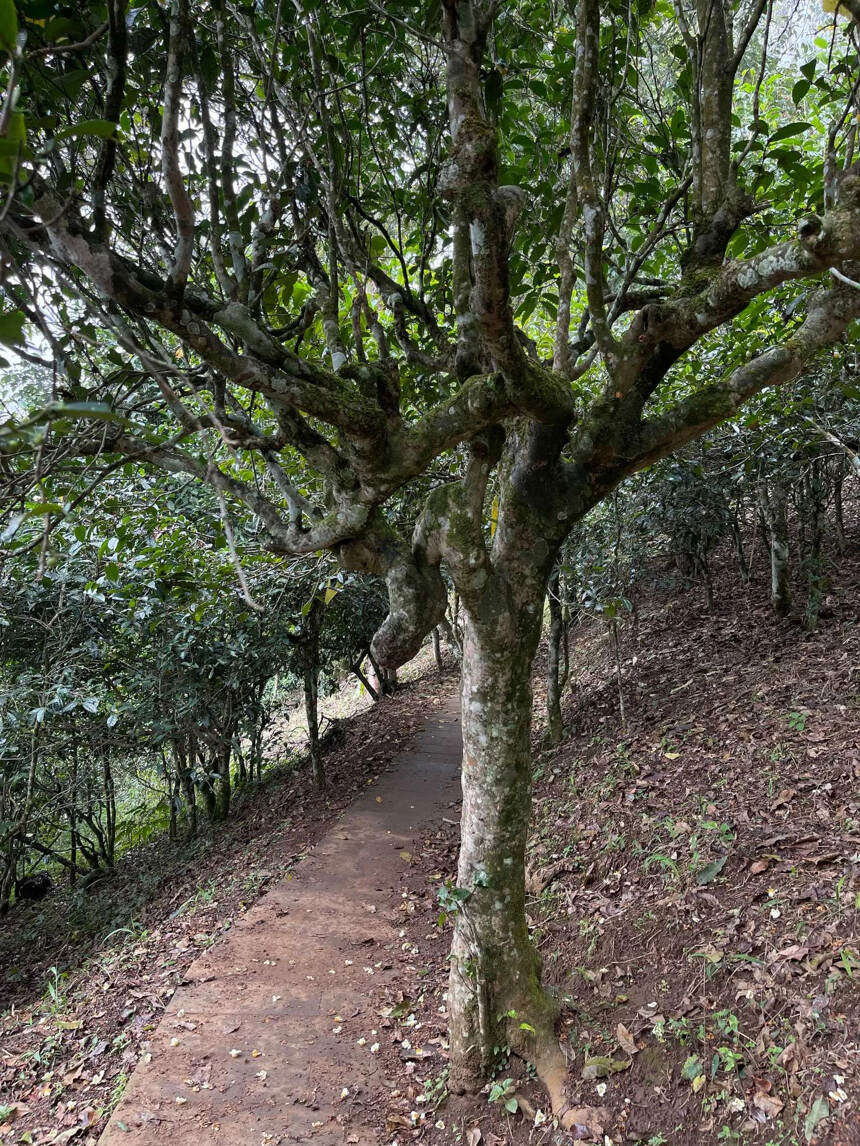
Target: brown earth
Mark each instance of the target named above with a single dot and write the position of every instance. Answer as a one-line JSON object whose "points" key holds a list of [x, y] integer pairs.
{"points": [[85, 980], [273, 1036], [693, 879]]}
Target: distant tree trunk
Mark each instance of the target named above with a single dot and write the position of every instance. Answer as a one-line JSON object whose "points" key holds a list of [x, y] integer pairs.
{"points": [[173, 798], [437, 649], [456, 628], [72, 815], [7, 874], [223, 791], [386, 679], [813, 512], [454, 641], [205, 772], [310, 664], [554, 672], [772, 502], [184, 764], [110, 812], [241, 765], [738, 539], [838, 513], [356, 668]]}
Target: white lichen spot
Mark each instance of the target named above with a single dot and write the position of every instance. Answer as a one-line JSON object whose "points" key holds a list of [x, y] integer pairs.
{"points": [[338, 360], [477, 237]]}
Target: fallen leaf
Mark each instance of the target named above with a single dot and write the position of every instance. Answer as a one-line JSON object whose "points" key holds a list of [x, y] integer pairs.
{"points": [[784, 797], [795, 951], [709, 874], [765, 1106], [625, 1039]]}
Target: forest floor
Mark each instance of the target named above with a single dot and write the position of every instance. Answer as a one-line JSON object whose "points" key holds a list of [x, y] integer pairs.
{"points": [[692, 895], [693, 879]]}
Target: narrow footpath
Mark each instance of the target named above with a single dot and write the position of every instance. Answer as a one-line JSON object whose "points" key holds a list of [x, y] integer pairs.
{"points": [[261, 1043]]}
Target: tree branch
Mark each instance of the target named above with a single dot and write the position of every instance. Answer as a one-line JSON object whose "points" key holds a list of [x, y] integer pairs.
{"points": [[183, 212]]}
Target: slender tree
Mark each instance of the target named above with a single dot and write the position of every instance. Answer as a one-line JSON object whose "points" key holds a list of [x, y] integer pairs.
{"points": [[312, 254]]}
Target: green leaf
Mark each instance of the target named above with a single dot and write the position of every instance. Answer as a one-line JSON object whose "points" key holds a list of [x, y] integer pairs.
{"points": [[819, 1109], [799, 90], [102, 128], [12, 328], [44, 508], [790, 129], [100, 411], [692, 1068], [512, 1105], [8, 26], [709, 874]]}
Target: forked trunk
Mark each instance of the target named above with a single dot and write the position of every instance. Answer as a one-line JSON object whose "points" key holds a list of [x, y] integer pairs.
{"points": [[495, 997]]}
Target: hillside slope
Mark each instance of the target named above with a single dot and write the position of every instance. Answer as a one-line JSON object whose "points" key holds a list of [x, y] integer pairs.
{"points": [[693, 880]]}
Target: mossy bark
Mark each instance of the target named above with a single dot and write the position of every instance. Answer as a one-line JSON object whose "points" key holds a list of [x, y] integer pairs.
{"points": [[495, 996]]}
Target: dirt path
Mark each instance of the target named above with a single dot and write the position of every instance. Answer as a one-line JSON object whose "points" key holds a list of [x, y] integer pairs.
{"points": [[297, 983]]}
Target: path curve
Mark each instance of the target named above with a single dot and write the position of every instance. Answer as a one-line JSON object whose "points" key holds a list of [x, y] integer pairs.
{"points": [[290, 973]]}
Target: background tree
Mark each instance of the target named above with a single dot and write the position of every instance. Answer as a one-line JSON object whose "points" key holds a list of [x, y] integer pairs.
{"points": [[311, 255]]}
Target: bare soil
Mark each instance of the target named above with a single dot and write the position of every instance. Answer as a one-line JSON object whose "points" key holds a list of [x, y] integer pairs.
{"points": [[85, 980]]}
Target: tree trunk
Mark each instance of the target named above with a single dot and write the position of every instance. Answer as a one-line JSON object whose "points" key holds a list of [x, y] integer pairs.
{"points": [[554, 677], [310, 665], [437, 649], [772, 501], [738, 539], [109, 846], [495, 997], [356, 668], [838, 513], [813, 509], [173, 798], [223, 792], [72, 813], [454, 642]]}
